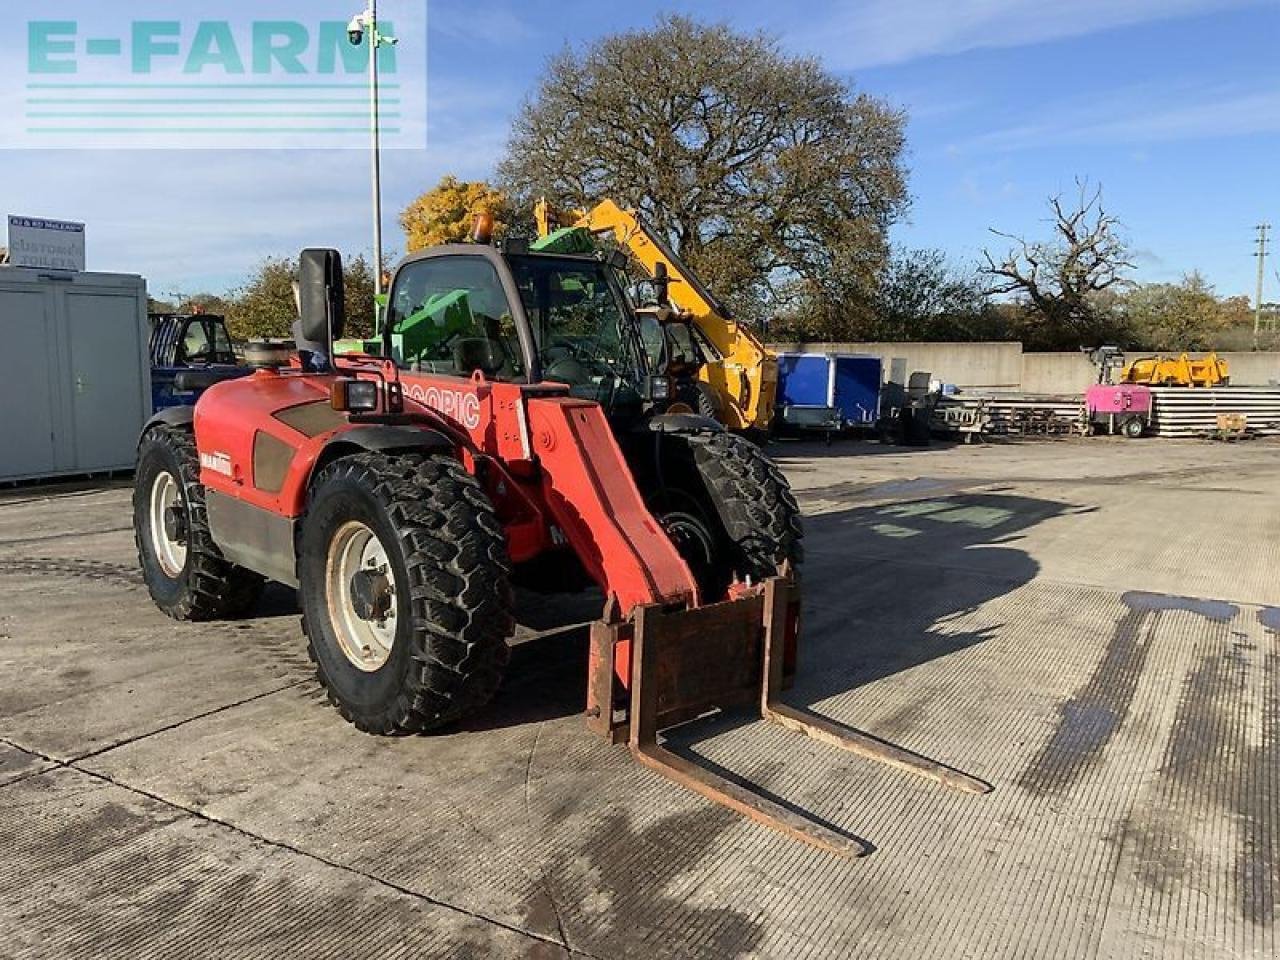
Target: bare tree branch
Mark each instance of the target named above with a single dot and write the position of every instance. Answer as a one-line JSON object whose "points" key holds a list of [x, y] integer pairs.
{"points": [[1062, 280]]}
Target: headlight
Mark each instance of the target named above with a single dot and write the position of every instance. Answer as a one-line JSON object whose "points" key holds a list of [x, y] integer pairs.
{"points": [[659, 388], [355, 396]]}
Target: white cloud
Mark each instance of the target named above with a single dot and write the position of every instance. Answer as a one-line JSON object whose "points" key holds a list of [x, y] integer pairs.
{"points": [[1142, 117], [879, 32], [192, 220]]}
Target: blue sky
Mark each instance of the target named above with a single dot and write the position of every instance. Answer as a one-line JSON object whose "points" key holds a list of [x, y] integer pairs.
{"points": [[1172, 105]]}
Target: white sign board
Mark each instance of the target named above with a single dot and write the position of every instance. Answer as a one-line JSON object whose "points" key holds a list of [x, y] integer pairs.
{"points": [[51, 244]]}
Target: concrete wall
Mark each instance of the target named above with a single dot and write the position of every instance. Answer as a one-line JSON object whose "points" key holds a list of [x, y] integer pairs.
{"points": [[1003, 365], [1057, 372], [1072, 372], [995, 366], [1253, 369]]}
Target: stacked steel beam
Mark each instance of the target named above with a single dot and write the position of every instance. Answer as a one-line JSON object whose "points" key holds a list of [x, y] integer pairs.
{"points": [[1195, 412]]}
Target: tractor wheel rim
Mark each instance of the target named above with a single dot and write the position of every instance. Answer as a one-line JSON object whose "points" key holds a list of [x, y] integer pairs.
{"points": [[170, 553], [692, 540], [365, 643]]}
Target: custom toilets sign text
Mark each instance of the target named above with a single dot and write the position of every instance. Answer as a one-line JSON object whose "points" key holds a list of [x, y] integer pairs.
{"points": [[104, 80]]}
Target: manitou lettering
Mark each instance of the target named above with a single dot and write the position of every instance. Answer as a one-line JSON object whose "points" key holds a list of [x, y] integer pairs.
{"points": [[218, 463]]}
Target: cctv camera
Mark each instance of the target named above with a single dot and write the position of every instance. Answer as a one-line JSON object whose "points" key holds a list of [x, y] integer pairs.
{"points": [[355, 30]]}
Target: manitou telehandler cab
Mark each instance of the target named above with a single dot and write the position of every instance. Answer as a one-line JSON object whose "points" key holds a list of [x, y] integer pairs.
{"points": [[402, 495], [735, 378]]}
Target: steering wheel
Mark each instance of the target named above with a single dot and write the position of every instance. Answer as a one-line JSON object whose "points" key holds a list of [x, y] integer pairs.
{"points": [[566, 369]]}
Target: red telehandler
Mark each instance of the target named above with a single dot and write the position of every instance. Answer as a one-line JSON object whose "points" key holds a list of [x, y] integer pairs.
{"points": [[493, 440]]}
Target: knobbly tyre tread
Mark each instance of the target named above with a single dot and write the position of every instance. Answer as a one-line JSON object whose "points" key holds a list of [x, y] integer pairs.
{"points": [[707, 401], [456, 555], [214, 587], [754, 502]]}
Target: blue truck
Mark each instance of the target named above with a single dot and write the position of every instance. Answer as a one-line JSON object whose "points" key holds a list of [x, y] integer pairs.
{"points": [[829, 392]]}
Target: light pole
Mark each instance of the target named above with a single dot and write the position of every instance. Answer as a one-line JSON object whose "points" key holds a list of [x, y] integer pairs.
{"points": [[365, 26], [1262, 229]]}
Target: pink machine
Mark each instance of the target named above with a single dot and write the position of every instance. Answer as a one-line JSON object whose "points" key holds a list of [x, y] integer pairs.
{"points": [[1119, 408]]}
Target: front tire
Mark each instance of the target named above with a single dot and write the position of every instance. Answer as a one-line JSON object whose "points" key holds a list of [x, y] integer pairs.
{"points": [[405, 588], [187, 576], [1133, 428], [707, 402]]}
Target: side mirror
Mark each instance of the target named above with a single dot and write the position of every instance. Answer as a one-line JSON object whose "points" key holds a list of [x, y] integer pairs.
{"points": [[321, 304], [618, 260]]}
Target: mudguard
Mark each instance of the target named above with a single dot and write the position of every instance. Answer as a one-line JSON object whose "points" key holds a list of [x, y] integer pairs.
{"points": [[383, 438], [684, 423], [183, 416]]}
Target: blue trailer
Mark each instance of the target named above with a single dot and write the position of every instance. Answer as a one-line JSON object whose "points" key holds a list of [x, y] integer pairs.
{"points": [[829, 392]]}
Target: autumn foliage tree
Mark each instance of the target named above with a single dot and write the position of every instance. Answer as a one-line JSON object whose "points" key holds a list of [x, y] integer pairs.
{"points": [[1182, 316], [770, 176], [446, 212]]}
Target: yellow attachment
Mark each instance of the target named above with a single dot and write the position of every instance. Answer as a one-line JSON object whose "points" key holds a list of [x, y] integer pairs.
{"points": [[1211, 371]]}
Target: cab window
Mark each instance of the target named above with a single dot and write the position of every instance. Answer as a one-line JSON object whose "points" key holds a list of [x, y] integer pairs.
{"points": [[576, 316], [205, 341], [449, 315]]}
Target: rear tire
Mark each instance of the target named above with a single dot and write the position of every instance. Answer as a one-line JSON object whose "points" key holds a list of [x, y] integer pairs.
{"points": [[428, 535], [707, 402], [187, 576], [1133, 428], [745, 502]]}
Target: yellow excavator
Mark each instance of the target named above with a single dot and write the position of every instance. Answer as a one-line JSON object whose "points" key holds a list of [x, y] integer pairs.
{"points": [[740, 374], [1211, 371]]}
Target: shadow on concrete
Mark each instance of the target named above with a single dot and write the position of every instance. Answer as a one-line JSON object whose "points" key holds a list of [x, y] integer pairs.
{"points": [[785, 450], [882, 583]]}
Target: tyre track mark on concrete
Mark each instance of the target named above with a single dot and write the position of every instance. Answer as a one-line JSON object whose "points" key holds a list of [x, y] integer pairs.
{"points": [[116, 574], [1089, 720], [1217, 788], [26, 541], [197, 888]]}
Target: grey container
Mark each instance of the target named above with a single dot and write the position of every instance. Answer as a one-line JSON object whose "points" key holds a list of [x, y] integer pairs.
{"points": [[75, 386]]}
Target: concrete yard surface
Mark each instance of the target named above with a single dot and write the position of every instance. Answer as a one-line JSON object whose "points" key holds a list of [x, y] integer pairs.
{"points": [[1091, 626]]}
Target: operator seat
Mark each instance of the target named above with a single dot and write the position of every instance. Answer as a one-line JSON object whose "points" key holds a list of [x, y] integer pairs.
{"points": [[479, 353]]}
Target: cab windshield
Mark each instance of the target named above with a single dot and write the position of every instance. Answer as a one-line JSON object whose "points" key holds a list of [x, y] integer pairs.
{"points": [[577, 317]]}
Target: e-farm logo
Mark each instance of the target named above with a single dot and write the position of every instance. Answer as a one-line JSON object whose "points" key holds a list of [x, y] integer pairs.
{"points": [[100, 76]]}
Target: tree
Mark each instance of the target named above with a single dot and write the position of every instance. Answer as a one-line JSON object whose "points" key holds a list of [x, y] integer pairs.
{"points": [[265, 307], [923, 297], [1180, 316], [919, 295], [446, 212], [771, 177], [1065, 282]]}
